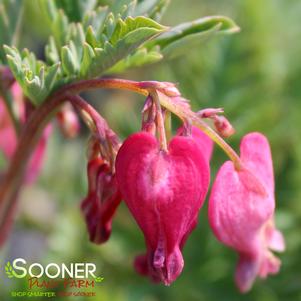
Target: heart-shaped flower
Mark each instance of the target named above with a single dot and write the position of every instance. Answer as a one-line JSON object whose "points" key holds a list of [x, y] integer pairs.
{"points": [[241, 211], [164, 192]]}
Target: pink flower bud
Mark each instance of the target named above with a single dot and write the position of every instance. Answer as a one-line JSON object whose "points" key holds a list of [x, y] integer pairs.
{"points": [[68, 121], [164, 191], [223, 126], [241, 211], [210, 113], [102, 201]]}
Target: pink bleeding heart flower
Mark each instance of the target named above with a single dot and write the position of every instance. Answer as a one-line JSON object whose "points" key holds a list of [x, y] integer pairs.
{"points": [[101, 202], [241, 211], [164, 191]]}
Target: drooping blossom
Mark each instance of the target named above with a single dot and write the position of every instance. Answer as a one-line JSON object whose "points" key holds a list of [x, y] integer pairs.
{"points": [[241, 211], [101, 202], [164, 192]]}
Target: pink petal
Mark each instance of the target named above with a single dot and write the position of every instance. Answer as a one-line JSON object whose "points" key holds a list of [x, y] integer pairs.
{"points": [[164, 192], [241, 208]]}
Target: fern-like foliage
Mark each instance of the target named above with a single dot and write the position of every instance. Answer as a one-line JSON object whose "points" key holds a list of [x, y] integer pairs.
{"points": [[87, 40]]}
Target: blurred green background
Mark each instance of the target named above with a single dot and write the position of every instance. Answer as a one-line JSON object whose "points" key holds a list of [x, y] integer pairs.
{"points": [[255, 76]]}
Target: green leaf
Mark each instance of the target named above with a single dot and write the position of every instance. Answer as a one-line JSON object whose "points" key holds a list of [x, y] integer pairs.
{"points": [[69, 62], [34, 76], [188, 34], [141, 57], [130, 24], [88, 56], [127, 36], [51, 76]]}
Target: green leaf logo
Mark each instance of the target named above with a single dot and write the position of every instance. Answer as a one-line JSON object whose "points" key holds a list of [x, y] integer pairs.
{"points": [[9, 270], [99, 279]]}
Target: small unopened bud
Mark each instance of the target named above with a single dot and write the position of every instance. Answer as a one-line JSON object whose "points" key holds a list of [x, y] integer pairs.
{"points": [[223, 126], [68, 121], [210, 113]]}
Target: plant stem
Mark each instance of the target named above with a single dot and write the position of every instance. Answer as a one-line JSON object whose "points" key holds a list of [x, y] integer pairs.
{"points": [[27, 141], [160, 121], [107, 138], [186, 114]]}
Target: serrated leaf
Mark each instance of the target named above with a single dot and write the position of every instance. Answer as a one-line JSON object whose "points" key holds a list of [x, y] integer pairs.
{"points": [[130, 24], [128, 36], [180, 35], [35, 77], [141, 57]]}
